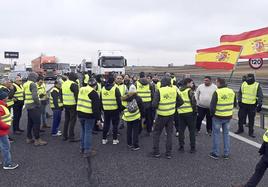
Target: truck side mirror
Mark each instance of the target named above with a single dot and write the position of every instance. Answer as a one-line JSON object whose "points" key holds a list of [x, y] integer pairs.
{"points": [[125, 62]]}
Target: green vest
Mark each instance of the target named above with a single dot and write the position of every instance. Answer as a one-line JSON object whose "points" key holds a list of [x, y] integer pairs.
{"points": [[67, 95], [7, 117], [27, 92], [19, 92], [144, 92], [187, 106], [127, 116], [60, 104], [225, 102], [249, 93], [108, 99], [83, 102], [167, 103]]}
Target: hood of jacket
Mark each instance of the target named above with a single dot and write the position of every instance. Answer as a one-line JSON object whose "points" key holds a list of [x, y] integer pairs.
{"points": [[144, 81]]}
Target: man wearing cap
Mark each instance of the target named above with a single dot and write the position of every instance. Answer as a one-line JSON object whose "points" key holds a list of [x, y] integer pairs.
{"points": [[250, 99], [18, 104]]}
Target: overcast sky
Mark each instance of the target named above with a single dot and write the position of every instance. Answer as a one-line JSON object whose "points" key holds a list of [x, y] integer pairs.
{"points": [[149, 32]]}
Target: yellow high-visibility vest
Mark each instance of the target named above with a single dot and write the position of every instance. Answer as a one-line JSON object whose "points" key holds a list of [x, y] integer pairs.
{"points": [[7, 117], [122, 88], [27, 92], [158, 85], [99, 88], [84, 104], [225, 102], [144, 92], [67, 95], [265, 136], [128, 116], [86, 79], [10, 102], [60, 104], [187, 106], [19, 92], [167, 103], [108, 99], [41, 90], [249, 93]]}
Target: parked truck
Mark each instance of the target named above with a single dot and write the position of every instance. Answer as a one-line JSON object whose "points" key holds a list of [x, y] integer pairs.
{"points": [[86, 66], [46, 66]]}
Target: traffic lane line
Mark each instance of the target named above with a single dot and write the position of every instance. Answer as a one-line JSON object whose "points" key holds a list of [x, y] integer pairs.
{"points": [[241, 138]]}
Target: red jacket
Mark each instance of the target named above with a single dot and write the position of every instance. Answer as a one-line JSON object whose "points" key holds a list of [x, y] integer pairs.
{"points": [[4, 128]]}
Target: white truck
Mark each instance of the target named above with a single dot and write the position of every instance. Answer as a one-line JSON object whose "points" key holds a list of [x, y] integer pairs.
{"points": [[111, 62], [86, 66]]}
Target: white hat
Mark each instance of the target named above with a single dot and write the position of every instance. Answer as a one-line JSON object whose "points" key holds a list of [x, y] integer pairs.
{"points": [[132, 89]]}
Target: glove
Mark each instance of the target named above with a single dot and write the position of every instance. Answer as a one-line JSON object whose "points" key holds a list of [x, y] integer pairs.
{"points": [[259, 108]]}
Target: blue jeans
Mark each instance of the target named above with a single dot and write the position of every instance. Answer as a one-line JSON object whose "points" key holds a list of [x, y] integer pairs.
{"points": [[56, 121], [5, 150], [86, 134], [216, 126], [43, 114]]}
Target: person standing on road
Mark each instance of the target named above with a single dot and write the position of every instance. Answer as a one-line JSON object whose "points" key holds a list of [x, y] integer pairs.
{"points": [[56, 105], [111, 105], [165, 101], [187, 114], [250, 99], [146, 92], [5, 123], [119, 82], [203, 97], [88, 109], [18, 105], [221, 108], [32, 104], [70, 91]]}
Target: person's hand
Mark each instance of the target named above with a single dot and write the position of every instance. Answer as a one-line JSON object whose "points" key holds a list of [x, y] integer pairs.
{"points": [[259, 108]]}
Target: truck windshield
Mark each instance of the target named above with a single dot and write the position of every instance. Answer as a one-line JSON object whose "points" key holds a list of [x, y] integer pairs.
{"points": [[49, 66], [88, 65], [112, 62]]}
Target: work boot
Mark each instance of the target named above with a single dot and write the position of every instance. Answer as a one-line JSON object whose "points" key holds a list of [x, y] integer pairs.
{"points": [[39, 142], [29, 141]]}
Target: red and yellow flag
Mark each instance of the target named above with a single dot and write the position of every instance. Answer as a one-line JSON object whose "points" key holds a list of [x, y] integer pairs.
{"points": [[221, 57], [255, 43]]}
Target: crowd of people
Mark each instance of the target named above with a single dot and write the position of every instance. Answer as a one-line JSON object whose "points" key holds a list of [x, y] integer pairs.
{"points": [[139, 103]]}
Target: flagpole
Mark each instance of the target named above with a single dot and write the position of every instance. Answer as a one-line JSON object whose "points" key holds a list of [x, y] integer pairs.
{"points": [[235, 65]]}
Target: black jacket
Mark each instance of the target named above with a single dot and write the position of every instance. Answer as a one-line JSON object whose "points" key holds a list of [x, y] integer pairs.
{"points": [[129, 98], [264, 151], [55, 96], [117, 96]]}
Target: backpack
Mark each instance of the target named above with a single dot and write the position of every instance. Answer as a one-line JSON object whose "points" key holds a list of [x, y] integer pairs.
{"points": [[132, 106]]}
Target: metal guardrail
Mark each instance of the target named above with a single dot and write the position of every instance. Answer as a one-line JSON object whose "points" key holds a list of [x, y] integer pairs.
{"points": [[263, 114]]}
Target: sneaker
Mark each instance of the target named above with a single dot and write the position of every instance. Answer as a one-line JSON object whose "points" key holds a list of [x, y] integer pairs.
{"points": [[39, 142], [29, 141], [168, 156], [130, 146], [155, 155], [214, 156], [115, 142], [11, 166], [104, 141], [136, 148], [177, 134], [181, 149], [58, 134], [225, 157]]}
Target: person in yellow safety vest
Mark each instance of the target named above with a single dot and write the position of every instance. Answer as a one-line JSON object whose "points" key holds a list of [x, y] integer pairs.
{"points": [[6, 84], [250, 99], [111, 105], [18, 105], [123, 91], [85, 79], [132, 113], [99, 83], [187, 114], [173, 79], [56, 104], [32, 104], [43, 97], [127, 81], [165, 101], [70, 91], [146, 91], [89, 111], [5, 123], [261, 166], [221, 107]]}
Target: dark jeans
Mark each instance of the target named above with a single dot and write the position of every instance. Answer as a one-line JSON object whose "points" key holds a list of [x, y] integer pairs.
{"points": [[244, 112], [176, 120], [34, 122], [160, 123], [202, 113], [110, 116], [17, 111], [149, 119], [133, 133], [56, 121], [187, 120], [258, 174], [69, 123]]}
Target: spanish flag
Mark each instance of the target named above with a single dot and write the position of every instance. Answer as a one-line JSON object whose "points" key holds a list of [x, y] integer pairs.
{"points": [[255, 43], [221, 57]]}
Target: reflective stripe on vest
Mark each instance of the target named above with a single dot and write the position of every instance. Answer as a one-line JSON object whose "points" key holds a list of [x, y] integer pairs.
{"points": [[249, 93], [108, 99], [7, 117], [167, 103], [83, 102], [19, 92], [187, 106], [265, 136], [27, 92], [225, 103], [60, 104], [144, 92], [67, 95]]}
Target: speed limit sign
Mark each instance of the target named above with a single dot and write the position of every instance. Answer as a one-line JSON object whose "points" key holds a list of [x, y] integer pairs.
{"points": [[255, 63]]}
